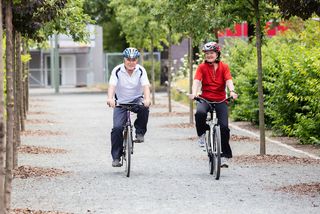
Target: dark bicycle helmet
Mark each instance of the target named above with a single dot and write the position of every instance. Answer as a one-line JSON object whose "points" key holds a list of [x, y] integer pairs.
{"points": [[212, 46], [131, 53]]}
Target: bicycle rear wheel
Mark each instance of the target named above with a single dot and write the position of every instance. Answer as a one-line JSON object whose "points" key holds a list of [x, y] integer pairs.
{"points": [[217, 152], [128, 148], [124, 148], [209, 143]]}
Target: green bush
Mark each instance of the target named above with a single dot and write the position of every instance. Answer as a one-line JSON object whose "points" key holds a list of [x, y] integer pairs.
{"points": [[239, 56], [291, 82], [295, 97]]}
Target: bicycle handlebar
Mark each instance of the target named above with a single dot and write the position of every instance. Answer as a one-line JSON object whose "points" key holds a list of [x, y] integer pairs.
{"points": [[212, 102], [128, 105]]}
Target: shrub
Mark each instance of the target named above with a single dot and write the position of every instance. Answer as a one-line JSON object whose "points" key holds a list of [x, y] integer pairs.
{"points": [[291, 82]]}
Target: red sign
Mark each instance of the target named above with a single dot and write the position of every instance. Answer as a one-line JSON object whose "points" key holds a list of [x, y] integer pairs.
{"points": [[241, 30]]}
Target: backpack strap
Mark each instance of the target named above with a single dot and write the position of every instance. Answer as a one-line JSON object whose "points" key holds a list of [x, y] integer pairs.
{"points": [[140, 72], [117, 71]]}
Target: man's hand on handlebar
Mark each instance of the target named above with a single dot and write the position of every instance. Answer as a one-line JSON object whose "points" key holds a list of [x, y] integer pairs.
{"points": [[146, 102], [111, 103]]}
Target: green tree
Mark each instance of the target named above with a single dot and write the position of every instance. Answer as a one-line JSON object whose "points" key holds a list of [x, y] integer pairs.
{"points": [[257, 12], [34, 20], [9, 104], [263, 12], [30, 16], [37, 20], [71, 20], [300, 8], [193, 20], [141, 26], [103, 14], [113, 39], [291, 81], [98, 10]]}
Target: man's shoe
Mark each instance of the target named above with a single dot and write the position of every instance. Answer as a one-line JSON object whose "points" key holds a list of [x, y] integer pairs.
{"points": [[116, 163], [224, 162], [202, 140], [139, 138]]}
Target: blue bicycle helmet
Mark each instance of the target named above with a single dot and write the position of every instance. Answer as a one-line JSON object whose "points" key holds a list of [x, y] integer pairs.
{"points": [[131, 53]]}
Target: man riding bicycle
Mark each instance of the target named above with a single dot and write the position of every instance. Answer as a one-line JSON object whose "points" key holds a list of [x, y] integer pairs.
{"points": [[214, 76], [128, 83]]}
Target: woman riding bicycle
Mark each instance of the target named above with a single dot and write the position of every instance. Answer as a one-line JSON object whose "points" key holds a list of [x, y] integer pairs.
{"points": [[128, 83], [214, 76]]}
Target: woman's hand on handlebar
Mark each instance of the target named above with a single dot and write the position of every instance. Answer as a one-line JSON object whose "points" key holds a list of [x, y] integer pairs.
{"points": [[192, 96], [233, 94]]}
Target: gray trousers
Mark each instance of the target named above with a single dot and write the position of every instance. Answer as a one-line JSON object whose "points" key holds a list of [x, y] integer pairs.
{"points": [[222, 115], [119, 121]]}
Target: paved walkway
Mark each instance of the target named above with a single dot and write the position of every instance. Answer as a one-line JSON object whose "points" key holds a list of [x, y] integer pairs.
{"points": [[169, 172]]}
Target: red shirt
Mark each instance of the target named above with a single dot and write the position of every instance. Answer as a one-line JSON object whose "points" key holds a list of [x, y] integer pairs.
{"points": [[213, 82]]}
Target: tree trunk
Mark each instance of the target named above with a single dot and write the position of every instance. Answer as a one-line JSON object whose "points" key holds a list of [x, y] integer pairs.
{"points": [[152, 74], [27, 86], [260, 83], [10, 104], [2, 124], [169, 71], [17, 91], [25, 82], [216, 34], [22, 89], [190, 78], [15, 138]]}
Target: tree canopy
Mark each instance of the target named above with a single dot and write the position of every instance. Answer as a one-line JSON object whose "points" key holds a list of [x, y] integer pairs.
{"points": [[38, 19], [301, 8], [139, 22], [29, 16]]}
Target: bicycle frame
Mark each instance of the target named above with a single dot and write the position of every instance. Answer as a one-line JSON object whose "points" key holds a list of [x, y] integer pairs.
{"points": [[128, 123], [212, 121], [128, 126]]}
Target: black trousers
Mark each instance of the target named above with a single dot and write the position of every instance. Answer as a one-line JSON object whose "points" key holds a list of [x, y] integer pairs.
{"points": [[119, 120], [222, 115]]}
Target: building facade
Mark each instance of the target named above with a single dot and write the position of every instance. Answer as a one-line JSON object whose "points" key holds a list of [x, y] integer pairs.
{"points": [[80, 64]]}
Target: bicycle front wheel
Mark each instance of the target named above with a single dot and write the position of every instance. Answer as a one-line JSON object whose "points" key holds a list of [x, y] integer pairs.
{"points": [[209, 143], [128, 148], [217, 152]]}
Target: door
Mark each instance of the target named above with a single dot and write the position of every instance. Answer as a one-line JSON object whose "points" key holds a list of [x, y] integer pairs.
{"points": [[68, 70]]}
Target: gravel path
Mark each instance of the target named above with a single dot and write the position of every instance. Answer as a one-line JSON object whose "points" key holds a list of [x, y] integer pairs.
{"points": [[169, 173]]}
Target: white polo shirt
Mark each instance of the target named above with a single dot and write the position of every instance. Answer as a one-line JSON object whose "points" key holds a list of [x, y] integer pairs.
{"points": [[128, 87]]}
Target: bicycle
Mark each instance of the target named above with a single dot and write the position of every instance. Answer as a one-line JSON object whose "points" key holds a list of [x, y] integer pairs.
{"points": [[213, 137], [128, 142]]}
